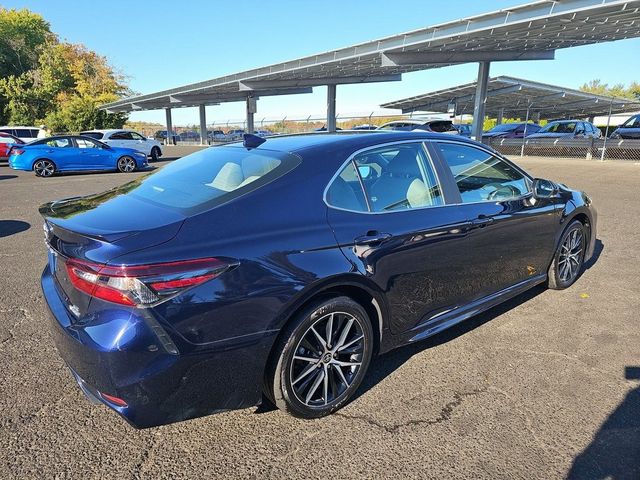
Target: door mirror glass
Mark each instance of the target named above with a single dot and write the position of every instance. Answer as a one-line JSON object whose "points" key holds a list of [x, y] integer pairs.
{"points": [[544, 188], [365, 171]]}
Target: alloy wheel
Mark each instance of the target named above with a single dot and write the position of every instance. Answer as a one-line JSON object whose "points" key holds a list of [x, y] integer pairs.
{"points": [[44, 168], [571, 255], [126, 164], [327, 359]]}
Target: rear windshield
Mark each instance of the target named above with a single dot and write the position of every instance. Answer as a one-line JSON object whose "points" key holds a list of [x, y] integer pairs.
{"points": [[96, 135], [213, 176]]}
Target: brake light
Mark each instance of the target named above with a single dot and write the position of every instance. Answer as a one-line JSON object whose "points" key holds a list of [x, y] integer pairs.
{"points": [[142, 285], [118, 402], [16, 151]]}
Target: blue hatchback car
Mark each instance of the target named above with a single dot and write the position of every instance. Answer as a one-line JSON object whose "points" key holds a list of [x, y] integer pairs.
{"points": [[66, 153], [276, 269]]}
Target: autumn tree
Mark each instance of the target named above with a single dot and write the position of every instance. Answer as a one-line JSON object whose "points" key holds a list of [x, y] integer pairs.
{"points": [[56, 83]]}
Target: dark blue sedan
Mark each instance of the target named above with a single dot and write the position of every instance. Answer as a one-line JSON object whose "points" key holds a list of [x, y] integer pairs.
{"points": [[277, 268], [73, 153]]}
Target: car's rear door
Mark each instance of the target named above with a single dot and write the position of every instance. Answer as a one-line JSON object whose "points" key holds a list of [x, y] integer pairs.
{"points": [[512, 235], [388, 210]]}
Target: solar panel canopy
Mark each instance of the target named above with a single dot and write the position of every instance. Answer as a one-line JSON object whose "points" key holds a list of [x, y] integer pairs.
{"points": [[511, 97], [526, 32]]}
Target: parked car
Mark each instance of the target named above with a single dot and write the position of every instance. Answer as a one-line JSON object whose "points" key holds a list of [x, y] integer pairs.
{"points": [[65, 153], [128, 139], [437, 126], [263, 133], [365, 126], [217, 136], [568, 129], [235, 134], [190, 136], [628, 130], [166, 306], [511, 130], [26, 134], [161, 136], [7, 141], [464, 129]]}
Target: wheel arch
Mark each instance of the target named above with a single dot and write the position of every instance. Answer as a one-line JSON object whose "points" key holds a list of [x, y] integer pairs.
{"points": [[354, 286]]}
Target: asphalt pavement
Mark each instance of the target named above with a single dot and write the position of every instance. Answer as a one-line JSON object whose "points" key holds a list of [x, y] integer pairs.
{"points": [[545, 386]]}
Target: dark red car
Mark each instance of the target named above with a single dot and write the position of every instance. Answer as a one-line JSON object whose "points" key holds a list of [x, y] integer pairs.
{"points": [[6, 142]]}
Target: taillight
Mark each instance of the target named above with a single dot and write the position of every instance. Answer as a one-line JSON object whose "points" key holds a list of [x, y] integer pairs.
{"points": [[142, 285], [16, 151]]}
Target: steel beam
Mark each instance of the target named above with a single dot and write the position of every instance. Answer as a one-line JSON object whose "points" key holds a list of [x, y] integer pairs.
{"points": [[500, 116], [398, 59], [251, 85], [251, 110], [480, 100], [331, 108]]}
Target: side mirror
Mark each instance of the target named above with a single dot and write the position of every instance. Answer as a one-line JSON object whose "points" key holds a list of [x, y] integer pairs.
{"points": [[544, 188]]}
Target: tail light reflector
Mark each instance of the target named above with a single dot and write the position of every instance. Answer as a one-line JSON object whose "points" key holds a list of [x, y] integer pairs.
{"points": [[142, 285]]}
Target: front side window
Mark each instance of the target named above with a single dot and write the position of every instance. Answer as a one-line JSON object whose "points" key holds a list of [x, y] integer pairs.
{"points": [[633, 122], [86, 143], [136, 136], [395, 177], [481, 176]]}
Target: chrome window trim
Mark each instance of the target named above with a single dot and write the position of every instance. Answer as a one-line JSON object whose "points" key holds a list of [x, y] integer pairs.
{"points": [[373, 147]]}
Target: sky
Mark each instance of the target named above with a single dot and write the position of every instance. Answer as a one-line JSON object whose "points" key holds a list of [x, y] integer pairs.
{"points": [[160, 44]]}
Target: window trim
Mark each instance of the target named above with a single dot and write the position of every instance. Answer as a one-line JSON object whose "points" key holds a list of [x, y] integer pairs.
{"points": [[351, 159], [492, 153]]}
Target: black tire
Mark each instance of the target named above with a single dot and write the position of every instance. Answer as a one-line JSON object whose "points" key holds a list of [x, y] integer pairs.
{"points": [[343, 365], [126, 164], [155, 154], [44, 168], [568, 261]]}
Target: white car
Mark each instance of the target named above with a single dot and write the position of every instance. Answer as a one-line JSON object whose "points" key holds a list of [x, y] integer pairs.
{"points": [[127, 139], [26, 134]]}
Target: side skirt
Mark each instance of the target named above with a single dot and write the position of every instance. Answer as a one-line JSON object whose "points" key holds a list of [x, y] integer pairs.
{"points": [[449, 318]]}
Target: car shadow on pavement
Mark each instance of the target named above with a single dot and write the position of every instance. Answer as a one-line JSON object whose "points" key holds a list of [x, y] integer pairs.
{"points": [[614, 452], [10, 227], [7, 177], [597, 250]]}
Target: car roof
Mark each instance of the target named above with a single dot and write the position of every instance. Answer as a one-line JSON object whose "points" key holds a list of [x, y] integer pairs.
{"points": [[20, 126], [109, 130], [348, 139]]}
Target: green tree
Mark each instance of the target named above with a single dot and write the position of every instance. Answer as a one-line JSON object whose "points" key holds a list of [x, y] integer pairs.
{"points": [[618, 90], [22, 36]]}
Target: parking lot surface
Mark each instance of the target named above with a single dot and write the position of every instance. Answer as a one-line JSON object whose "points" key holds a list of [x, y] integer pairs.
{"points": [[535, 388]]}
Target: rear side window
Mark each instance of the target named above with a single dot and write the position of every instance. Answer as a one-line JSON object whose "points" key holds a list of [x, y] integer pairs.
{"points": [[213, 176], [24, 133], [121, 136], [394, 177], [96, 135]]}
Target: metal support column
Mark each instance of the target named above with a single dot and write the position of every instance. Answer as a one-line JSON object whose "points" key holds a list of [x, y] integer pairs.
{"points": [[203, 126], [251, 109], [480, 100], [606, 133], [331, 108], [169, 140], [500, 116], [524, 136]]}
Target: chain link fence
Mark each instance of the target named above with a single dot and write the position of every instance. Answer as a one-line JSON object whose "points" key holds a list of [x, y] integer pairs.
{"points": [[587, 148]]}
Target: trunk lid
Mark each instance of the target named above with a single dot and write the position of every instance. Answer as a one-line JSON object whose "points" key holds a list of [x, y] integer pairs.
{"points": [[100, 228]]}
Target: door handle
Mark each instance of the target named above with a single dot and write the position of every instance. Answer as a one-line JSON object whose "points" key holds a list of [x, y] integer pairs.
{"points": [[372, 237], [482, 221]]}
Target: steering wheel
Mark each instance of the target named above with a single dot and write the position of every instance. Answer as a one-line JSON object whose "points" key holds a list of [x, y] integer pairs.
{"points": [[501, 191]]}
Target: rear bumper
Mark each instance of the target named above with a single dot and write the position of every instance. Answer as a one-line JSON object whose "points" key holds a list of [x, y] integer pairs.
{"points": [[121, 357]]}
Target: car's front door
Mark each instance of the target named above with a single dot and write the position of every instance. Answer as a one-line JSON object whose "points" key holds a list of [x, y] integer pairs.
{"points": [[389, 214], [140, 143], [91, 154], [512, 235]]}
